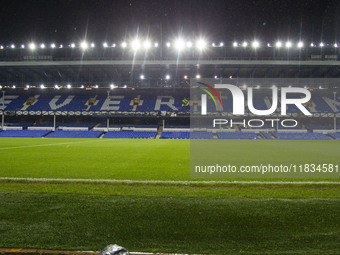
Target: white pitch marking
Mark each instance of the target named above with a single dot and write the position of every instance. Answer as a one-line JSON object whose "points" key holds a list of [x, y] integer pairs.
{"points": [[50, 144], [160, 181]]}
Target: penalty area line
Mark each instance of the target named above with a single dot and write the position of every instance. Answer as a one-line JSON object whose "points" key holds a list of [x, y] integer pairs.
{"points": [[161, 181]]}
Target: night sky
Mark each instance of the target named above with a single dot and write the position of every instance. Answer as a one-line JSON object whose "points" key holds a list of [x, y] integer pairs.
{"points": [[98, 20]]}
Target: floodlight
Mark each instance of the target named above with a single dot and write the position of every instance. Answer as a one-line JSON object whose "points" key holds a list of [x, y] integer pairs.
{"points": [[312, 45], [56, 86], [335, 45], [135, 44], [300, 44], [213, 44], [42, 46], [32, 46], [27, 86], [12, 46], [288, 44], [179, 44], [156, 44], [167, 77], [244, 44], [112, 86], [68, 86], [216, 77], [93, 45], [235, 44], [42, 86], [52, 45], [22, 46], [113, 45], [13, 86], [198, 76], [96, 86], [255, 44], [142, 77], [201, 44], [278, 44], [73, 45], [82, 86], [125, 86], [147, 45], [221, 44], [322, 44], [185, 77], [61, 46], [1, 47], [105, 44], [84, 45], [189, 44], [124, 44], [168, 44]]}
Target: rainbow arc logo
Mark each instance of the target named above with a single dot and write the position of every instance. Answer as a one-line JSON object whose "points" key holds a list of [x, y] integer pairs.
{"points": [[209, 93]]}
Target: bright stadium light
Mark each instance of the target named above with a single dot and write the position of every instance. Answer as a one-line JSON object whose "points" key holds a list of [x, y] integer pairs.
{"points": [[22, 46], [213, 44], [82, 86], [84, 45], [179, 44], [61, 46], [167, 77], [42, 46], [52, 45], [73, 45], [322, 44], [335, 45], [312, 45], [215, 77], [42, 86], [221, 44], [113, 45], [27, 86], [68, 86], [96, 86], [245, 44], [12, 46], [112, 86], [32, 46], [93, 45], [142, 77], [189, 44], [147, 44], [156, 44], [124, 45], [235, 44], [185, 77], [278, 44], [105, 45], [255, 44], [198, 76], [1, 47], [288, 44], [269, 45], [13, 86], [168, 44], [300, 44], [201, 44], [56, 86], [135, 45]]}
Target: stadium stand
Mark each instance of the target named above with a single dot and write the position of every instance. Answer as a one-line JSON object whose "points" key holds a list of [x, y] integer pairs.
{"points": [[74, 134], [23, 133], [335, 135], [236, 135], [201, 135], [301, 136], [130, 134], [175, 135]]}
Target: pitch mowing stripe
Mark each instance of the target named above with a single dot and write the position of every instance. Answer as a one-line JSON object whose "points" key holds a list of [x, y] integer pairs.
{"points": [[160, 181], [50, 144]]}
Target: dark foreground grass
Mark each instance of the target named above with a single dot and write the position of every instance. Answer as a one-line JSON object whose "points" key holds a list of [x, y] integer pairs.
{"points": [[170, 224]]}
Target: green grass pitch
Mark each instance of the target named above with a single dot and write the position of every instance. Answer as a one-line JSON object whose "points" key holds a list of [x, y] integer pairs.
{"points": [[188, 218]]}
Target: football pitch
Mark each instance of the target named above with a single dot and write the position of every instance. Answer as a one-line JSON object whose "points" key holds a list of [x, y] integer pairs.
{"points": [[149, 203]]}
